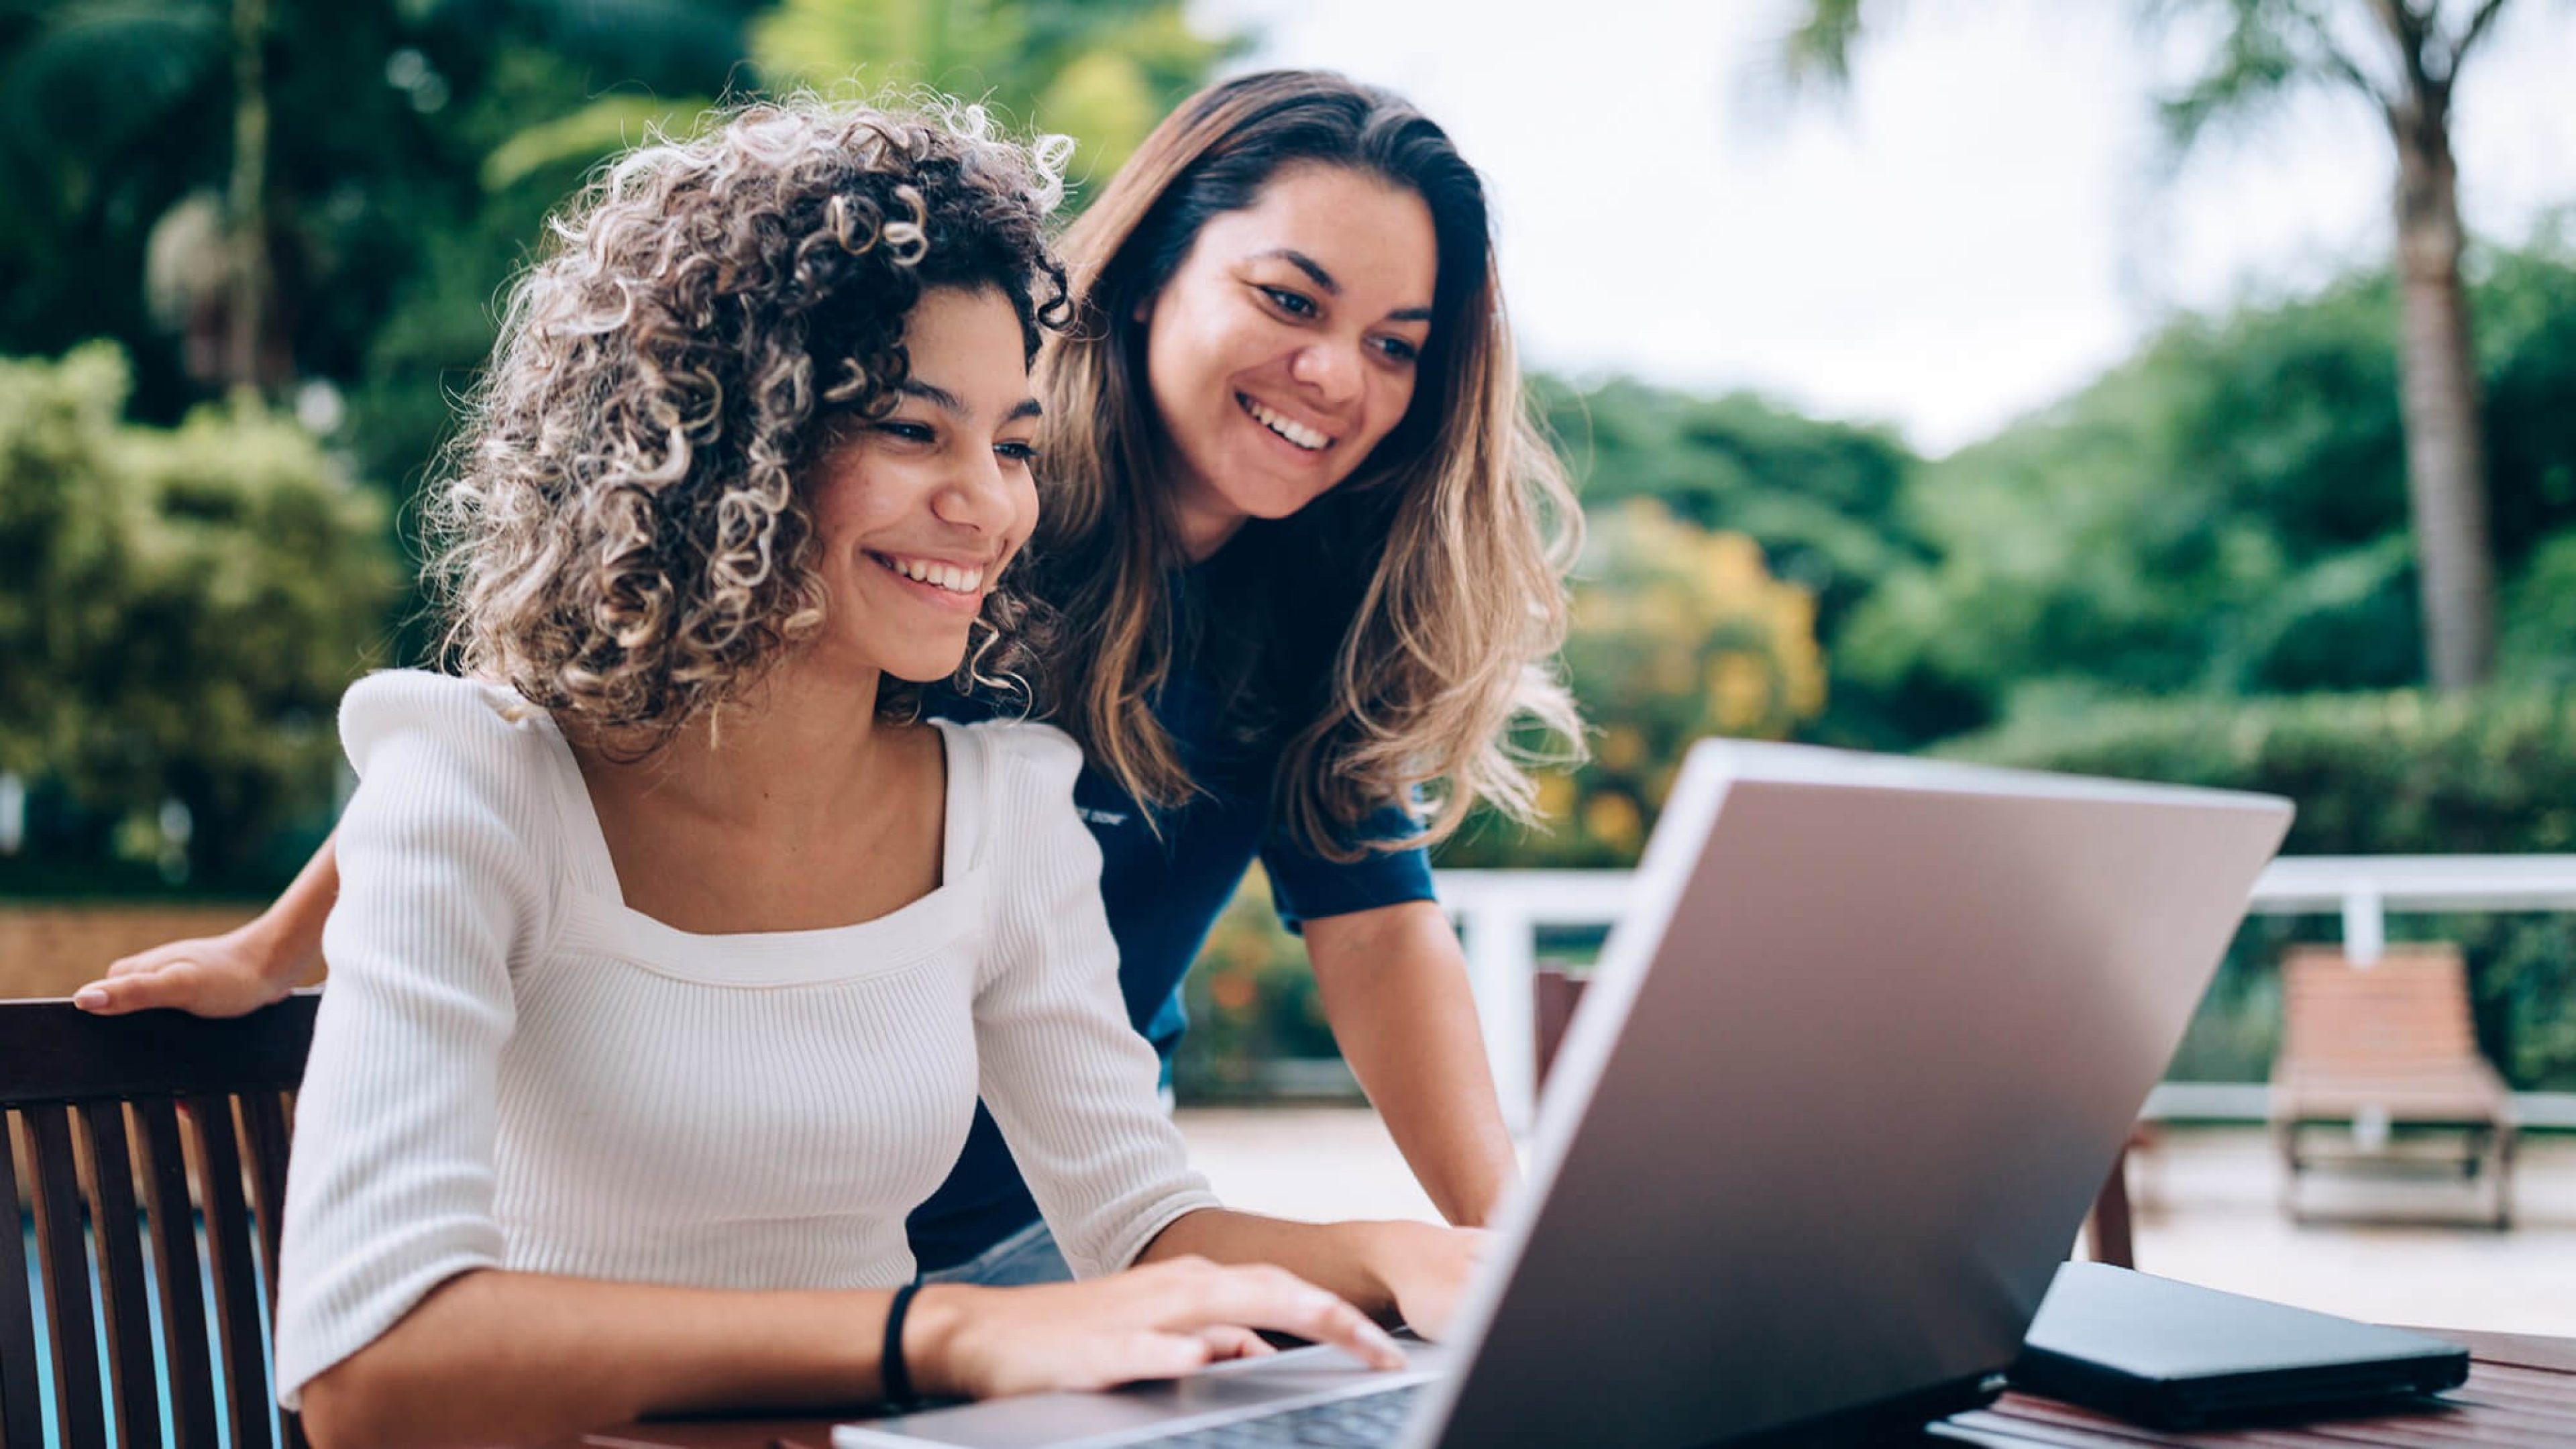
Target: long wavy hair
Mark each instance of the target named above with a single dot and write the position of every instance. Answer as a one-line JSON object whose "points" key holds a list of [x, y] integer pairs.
{"points": [[624, 523], [1389, 635]]}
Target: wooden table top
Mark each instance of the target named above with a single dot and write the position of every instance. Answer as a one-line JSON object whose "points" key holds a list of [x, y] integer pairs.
{"points": [[2521, 1393]]}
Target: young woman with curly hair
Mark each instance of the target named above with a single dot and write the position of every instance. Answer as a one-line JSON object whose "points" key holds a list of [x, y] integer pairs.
{"points": [[1306, 551], [672, 951]]}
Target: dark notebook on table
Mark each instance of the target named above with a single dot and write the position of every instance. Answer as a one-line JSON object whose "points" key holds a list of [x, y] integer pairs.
{"points": [[2177, 1356]]}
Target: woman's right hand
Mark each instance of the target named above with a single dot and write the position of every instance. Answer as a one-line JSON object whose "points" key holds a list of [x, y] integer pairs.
{"points": [[1156, 1322], [232, 974]]}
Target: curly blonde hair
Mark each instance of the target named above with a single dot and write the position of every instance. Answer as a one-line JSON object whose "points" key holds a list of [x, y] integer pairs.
{"points": [[624, 525]]}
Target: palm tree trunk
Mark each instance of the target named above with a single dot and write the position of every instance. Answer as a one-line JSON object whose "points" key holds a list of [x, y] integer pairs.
{"points": [[2438, 395], [247, 318]]}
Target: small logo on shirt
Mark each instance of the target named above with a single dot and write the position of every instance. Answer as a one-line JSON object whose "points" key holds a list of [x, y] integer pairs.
{"points": [[1100, 817]]}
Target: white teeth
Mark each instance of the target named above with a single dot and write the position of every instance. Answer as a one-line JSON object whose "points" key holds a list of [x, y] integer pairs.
{"points": [[1289, 428], [951, 577]]}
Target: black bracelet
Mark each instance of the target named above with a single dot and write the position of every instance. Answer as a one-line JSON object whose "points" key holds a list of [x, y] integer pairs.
{"points": [[896, 1378]]}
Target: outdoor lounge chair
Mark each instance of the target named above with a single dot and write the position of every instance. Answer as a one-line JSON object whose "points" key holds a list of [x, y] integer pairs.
{"points": [[120, 1125], [2376, 1048]]}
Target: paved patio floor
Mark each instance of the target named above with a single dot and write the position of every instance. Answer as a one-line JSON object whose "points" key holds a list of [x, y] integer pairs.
{"points": [[2207, 1202]]}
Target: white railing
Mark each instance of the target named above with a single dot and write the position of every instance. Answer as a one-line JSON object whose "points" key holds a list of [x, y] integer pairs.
{"points": [[1500, 912]]}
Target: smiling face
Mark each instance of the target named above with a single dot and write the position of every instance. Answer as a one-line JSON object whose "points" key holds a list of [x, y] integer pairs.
{"points": [[1285, 345], [917, 513]]}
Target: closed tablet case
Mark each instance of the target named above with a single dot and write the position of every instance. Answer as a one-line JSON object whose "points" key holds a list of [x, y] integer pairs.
{"points": [[2177, 1356]]}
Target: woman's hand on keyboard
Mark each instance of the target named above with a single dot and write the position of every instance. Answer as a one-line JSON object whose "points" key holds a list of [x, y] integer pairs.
{"points": [[1424, 1269], [1156, 1322]]}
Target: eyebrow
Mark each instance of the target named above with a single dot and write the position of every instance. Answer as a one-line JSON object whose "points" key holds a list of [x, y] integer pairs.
{"points": [[1324, 279], [1306, 264], [938, 397], [947, 402]]}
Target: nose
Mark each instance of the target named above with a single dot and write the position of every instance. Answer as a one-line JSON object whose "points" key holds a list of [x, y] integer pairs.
{"points": [[978, 496], [1330, 368]]}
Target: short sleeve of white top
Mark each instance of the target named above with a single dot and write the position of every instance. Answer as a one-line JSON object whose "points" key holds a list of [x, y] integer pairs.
{"points": [[512, 1069]]}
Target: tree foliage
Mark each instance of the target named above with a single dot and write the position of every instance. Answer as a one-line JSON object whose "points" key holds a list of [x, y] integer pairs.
{"points": [[1823, 498], [416, 146], [2392, 773], [179, 608], [2404, 59], [2226, 513], [1678, 632], [1103, 71]]}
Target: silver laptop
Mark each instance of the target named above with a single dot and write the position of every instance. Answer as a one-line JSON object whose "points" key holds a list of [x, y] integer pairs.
{"points": [[1850, 1071]]}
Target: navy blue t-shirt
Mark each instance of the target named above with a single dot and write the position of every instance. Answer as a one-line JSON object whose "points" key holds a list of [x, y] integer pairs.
{"points": [[1163, 893]]}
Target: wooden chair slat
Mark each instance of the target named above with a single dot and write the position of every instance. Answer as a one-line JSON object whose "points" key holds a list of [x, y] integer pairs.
{"points": [[173, 1219], [21, 1426], [263, 1115], [210, 1125], [2396, 1034], [80, 1410], [116, 1230]]}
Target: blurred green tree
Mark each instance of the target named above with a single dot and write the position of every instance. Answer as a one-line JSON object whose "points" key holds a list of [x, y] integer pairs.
{"points": [[1101, 71], [1678, 632], [1824, 499], [179, 610], [2389, 773], [2226, 513], [86, 80], [2403, 59], [1251, 1001], [150, 143]]}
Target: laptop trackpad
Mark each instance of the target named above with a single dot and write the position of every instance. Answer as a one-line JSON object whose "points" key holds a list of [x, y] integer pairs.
{"points": [[1072, 1419]]}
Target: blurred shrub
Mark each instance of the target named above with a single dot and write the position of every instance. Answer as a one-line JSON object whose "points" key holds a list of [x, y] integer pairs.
{"points": [[2373, 774], [1821, 496], [179, 610], [2395, 773], [1678, 632], [1252, 1002], [1101, 71], [2536, 634]]}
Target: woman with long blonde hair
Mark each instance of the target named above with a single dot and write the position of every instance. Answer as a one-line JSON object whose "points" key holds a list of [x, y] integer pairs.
{"points": [[1304, 550]]}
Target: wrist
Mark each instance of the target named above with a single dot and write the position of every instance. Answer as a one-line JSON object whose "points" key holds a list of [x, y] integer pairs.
{"points": [[1381, 1250], [281, 956], [931, 1329], [1469, 1207]]}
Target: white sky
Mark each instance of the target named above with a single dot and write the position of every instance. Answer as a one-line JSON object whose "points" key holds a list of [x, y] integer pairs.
{"points": [[1977, 231]]}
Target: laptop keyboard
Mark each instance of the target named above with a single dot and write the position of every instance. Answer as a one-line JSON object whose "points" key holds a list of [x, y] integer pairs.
{"points": [[1365, 1421]]}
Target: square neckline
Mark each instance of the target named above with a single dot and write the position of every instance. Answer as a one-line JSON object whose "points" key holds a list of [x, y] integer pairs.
{"points": [[897, 939]]}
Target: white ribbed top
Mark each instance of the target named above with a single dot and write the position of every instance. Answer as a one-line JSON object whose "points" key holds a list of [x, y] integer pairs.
{"points": [[513, 1069]]}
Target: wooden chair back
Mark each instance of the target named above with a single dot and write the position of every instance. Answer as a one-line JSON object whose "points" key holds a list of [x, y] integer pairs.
{"points": [[121, 1129], [2408, 1010]]}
